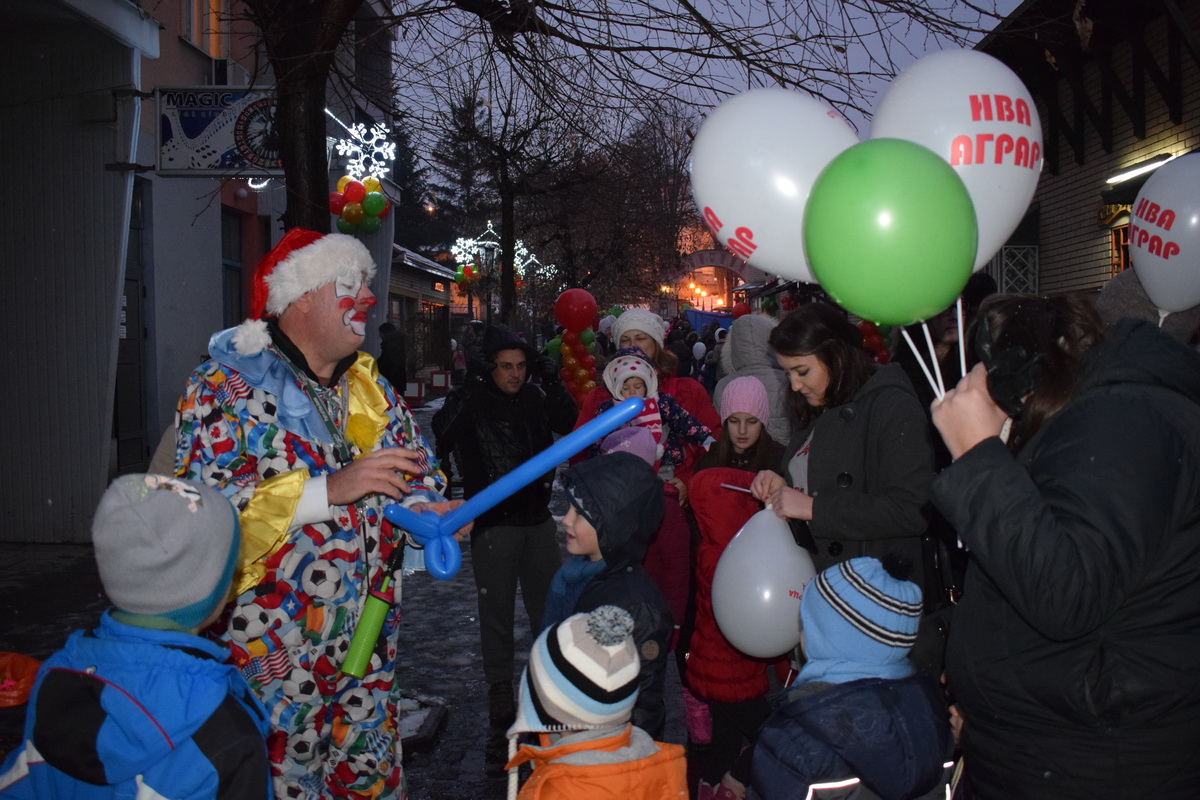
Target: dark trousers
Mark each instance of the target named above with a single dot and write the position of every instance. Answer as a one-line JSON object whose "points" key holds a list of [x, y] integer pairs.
{"points": [[502, 556]]}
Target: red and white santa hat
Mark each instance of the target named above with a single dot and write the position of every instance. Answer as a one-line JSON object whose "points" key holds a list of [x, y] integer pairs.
{"points": [[301, 262]]}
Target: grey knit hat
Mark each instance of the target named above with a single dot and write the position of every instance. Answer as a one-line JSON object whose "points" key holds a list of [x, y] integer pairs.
{"points": [[165, 547]]}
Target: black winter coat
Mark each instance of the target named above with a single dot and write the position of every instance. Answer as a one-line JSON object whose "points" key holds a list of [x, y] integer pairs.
{"points": [[492, 433], [1075, 652], [869, 471]]}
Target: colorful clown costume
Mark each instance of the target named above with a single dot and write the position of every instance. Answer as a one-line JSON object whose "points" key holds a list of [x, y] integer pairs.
{"points": [[257, 428]]}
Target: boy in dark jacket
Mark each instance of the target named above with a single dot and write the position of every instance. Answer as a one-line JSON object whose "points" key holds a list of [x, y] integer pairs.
{"points": [[616, 505], [142, 705], [858, 723]]}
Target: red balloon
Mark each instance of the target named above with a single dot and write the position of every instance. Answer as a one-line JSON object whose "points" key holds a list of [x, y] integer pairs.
{"points": [[570, 337], [574, 309], [589, 362], [580, 350], [468, 272], [741, 309], [354, 192], [337, 201], [565, 374]]}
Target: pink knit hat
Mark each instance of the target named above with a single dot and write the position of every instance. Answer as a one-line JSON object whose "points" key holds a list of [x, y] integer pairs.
{"points": [[745, 395]]}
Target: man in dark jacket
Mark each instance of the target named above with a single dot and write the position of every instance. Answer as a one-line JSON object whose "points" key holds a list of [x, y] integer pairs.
{"points": [[493, 423]]}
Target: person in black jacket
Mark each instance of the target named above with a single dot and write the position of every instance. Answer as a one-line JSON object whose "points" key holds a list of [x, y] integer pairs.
{"points": [[493, 423], [616, 506], [1075, 651]]}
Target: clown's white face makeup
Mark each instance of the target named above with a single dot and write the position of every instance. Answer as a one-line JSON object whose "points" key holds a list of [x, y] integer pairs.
{"points": [[349, 291]]}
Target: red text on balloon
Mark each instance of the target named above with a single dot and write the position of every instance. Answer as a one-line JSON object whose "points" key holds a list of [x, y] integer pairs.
{"points": [[1154, 214], [1006, 109]]}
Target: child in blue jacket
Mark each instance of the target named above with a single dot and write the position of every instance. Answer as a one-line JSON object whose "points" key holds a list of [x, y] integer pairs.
{"points": [[142, 706], [858, 724]]}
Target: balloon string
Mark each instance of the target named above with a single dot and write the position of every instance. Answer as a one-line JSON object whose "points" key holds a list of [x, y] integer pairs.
{"points": [[962, 341], [920, 361], [937, 368]]}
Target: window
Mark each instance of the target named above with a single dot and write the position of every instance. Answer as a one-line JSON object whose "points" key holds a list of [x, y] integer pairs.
{"points": [[1119, 247], [206, 25]]}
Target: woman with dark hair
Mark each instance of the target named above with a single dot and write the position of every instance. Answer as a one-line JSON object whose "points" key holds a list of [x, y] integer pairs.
{"points": [[1075, 652], [858, 467]]}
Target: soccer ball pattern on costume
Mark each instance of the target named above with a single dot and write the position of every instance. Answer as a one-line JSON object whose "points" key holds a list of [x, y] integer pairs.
{"points": [[332, 736]]}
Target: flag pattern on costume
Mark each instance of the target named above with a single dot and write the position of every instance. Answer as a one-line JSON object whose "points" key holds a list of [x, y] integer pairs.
{"points": [[290, 633]]}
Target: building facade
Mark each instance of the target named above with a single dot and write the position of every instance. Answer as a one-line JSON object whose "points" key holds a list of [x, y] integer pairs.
{"points": [[121, 270]]}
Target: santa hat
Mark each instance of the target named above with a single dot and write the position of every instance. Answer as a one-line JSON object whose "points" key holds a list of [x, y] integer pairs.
{"points": [[301, 262]]}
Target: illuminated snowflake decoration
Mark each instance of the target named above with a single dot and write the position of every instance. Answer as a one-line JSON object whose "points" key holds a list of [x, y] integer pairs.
{"points": [[370, 152]]}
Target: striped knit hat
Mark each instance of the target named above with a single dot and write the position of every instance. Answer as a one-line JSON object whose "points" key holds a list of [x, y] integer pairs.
{"points": [[860, 620], [582, 675]]}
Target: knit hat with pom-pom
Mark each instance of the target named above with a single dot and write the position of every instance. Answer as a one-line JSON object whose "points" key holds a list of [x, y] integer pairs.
{"points": [[301, 262], [582, 675]]}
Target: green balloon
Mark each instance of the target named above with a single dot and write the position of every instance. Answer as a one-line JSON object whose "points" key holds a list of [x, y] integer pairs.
{"points": [[373, 203], [587, 336], [551, 348], [890, 231], [370, 225], [346, 227], [615, 311]]}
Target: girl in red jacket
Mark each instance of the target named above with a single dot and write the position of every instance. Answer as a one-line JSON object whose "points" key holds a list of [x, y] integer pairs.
{"points": [[723, 682]]}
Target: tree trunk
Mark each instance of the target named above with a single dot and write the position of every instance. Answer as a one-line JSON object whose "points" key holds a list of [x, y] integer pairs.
{"points": [[301, 116], [302, 38]]}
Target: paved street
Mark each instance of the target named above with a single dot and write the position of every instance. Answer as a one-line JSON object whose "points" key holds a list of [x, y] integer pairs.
{"points": [[48, 590]]}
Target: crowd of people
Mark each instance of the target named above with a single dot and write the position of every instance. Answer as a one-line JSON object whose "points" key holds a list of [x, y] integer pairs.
{"points": [[1063, 470]]}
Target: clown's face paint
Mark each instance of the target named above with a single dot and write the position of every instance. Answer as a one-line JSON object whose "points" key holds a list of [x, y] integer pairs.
{"points": [[353, 298]]}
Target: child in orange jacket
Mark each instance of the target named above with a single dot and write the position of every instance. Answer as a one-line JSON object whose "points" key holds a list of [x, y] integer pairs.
{"points": [[577, 694]]}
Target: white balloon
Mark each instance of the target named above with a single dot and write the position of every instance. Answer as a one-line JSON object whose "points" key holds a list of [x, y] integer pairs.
{"points": [[1164, 235], [757, 584], [753, 163], [974, 112]]}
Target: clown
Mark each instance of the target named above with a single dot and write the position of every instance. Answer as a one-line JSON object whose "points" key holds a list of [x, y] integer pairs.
{"points": [[299, 431]]}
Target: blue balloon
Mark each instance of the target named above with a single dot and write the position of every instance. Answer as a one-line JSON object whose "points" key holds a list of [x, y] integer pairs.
{"points": [[436, 532]]}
